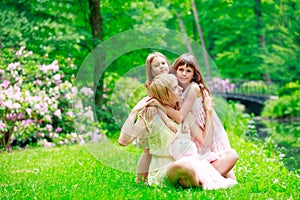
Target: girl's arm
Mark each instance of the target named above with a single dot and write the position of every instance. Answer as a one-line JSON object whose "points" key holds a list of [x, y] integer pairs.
{"points": [[179, 115], [192, 95], [169, 123], [208, 128], [197, 134]]}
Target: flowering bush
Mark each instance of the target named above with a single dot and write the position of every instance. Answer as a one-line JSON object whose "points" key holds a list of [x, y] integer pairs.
{"points": [[36, 100], [218, 85]]}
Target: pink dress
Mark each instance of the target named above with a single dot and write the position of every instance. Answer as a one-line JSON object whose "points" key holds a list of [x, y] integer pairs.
{"points": [[183, 148], [219, 140]]}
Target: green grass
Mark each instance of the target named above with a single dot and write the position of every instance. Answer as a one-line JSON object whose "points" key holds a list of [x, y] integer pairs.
{"points": [[72, 172]]}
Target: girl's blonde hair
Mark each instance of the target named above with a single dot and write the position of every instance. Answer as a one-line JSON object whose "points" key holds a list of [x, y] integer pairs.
{"points": [[190, 61], [160, 88], [149, 61]]}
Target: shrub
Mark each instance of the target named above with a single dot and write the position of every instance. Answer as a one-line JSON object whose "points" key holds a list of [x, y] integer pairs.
{"points": [[285, 106], [36, 100], [120, 95], [289, 88]]}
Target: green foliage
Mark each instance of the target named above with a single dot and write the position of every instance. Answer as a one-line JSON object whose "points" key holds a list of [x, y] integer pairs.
{"points": [[289, 88], [233, 119], [45, 27], [120, 95], [288, 103]]}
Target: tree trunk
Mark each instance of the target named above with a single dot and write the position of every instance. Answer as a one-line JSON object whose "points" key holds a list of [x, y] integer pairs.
{"points": [[205, 56], [183, 30], [261, 37], [96, 25]]}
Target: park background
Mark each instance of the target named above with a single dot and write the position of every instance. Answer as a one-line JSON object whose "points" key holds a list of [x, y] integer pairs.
{"points": [[254, 44]]}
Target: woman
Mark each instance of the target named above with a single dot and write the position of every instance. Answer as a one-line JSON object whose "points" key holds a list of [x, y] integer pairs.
{"points": [[164, 168]]}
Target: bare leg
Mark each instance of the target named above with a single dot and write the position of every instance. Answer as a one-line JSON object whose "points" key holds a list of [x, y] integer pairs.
{"points": [[225, 162], [143, 166], [230, 174], [183, 172]]}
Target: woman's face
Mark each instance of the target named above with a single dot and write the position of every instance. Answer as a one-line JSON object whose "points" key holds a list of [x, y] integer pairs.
{"points": [[159, 65], [177, 90], [184, 75]]}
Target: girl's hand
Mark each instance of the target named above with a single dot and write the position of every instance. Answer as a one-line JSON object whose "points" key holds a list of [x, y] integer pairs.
{"points": [[171, 126], [208, 101], [184, 128], [154, 102], [141, 104], [149, 112]]}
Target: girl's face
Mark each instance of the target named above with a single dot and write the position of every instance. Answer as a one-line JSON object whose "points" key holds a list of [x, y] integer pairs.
{"points": [[184, 75], [159, 65]]}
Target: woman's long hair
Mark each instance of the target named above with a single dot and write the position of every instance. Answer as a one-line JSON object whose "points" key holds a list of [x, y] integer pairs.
{"points": [[160, 89]]}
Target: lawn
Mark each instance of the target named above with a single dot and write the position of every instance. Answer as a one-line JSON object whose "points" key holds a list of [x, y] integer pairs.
{"points": [[72, 172]]}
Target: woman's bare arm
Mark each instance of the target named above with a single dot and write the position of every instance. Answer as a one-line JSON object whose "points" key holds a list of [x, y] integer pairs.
{"points": [[131, 129]]}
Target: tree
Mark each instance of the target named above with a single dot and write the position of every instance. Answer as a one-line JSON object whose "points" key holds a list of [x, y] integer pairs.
{"points": [[205, 56], [96, 25]]}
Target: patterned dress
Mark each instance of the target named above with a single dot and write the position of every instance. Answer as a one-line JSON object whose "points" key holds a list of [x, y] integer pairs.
{"points": [[219, 140]]}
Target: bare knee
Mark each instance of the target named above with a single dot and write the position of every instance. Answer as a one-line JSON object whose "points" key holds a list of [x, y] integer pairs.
{"points": [[183, 173], [232, 155]]}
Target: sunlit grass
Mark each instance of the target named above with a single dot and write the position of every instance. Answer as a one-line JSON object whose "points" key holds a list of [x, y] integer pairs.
{"points": [[72, 172]]}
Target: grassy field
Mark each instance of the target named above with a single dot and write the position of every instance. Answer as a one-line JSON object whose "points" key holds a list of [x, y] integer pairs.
{"points": [[72, 172]]}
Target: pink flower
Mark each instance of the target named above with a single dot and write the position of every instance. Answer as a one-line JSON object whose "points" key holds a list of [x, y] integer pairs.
{"points": [[89, 114], [19, 53], [56, 77], [8, 103], [49, 127], [58, 129], [16, 106], [2, 125], [57, 113], [5, 84], [86, 91], [69, 113], [28, 110]]}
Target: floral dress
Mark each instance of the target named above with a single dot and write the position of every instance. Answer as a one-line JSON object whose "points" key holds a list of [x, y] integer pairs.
{"points": [[219, 140]]}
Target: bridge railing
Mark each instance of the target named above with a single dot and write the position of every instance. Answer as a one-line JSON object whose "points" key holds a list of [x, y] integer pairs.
{"points": [[239, 86]]}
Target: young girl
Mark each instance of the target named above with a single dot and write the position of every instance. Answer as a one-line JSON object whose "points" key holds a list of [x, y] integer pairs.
{"points": [[156, 63], [216, 147]]}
